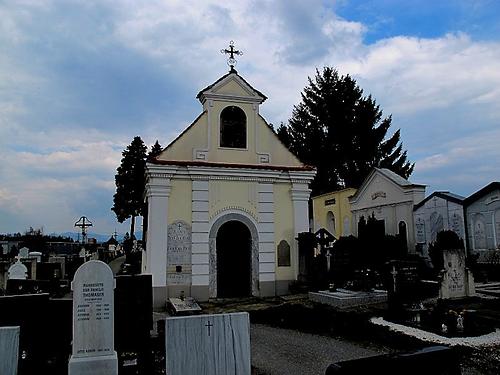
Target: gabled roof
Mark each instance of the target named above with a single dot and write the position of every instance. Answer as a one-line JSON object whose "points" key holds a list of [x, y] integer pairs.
{"points": [[394, 177], [492, 186], [441, 194], [233, 73]]}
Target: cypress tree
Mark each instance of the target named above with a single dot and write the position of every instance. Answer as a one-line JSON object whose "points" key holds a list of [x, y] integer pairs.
{"points": [[130, 183]]}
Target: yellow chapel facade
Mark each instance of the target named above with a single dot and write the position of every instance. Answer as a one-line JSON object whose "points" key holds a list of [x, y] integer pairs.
{"points": [[226, 201]]}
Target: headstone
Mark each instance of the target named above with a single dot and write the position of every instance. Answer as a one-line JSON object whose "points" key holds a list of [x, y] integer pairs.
{"points": [[457, 280], [184, 305], [179, 253], [93, 323], [9, 350], [208, 344], [17, 271], [23, 252]]}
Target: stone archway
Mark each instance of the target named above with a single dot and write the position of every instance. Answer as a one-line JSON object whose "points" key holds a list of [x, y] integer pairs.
{"points": [[222, 231]]}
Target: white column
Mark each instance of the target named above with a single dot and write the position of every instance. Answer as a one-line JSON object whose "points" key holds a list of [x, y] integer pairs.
{"points": [[300, 197], [157, 191], [200, 232], [265, 227]]}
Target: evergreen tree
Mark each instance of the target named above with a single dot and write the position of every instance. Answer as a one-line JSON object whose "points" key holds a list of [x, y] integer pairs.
{"points": [[342, 133], [130, 183], [155, 150]]}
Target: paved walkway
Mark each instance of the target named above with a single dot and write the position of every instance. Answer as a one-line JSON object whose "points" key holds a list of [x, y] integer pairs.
{"points": [[277, 351]]}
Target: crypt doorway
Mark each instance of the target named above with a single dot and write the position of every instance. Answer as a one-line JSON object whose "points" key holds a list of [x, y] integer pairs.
{"points": [[234, 260]]}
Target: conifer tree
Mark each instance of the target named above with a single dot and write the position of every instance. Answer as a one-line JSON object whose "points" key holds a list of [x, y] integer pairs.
{"points": [[342, 133], [155, 150], [130, 183]]}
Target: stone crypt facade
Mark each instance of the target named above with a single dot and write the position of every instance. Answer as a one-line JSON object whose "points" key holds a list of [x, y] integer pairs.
{"points": [[225, 200]]}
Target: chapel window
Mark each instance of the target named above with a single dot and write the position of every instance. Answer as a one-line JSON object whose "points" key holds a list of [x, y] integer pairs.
{"points": [[233, 128]]}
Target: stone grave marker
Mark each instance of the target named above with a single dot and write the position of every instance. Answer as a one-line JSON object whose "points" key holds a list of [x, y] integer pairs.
{"points": [[184, 305], [9, 350], [457, 280], [93, 321], [179, 253], [208, 344], [24, 252], [17, 271]]}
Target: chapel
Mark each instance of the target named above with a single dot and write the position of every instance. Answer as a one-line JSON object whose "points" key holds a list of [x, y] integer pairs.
{"points": [[225, 202]]}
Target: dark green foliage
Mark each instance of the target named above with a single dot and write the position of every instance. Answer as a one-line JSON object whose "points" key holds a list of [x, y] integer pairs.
{"points": [[155, 150], [445, 240], [342, 133], [130, 183]]}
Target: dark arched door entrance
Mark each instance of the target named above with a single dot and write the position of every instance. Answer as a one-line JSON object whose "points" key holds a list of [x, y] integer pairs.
{"points": [[234, 243]]}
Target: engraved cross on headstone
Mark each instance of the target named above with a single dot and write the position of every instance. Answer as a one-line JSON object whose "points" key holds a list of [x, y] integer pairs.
{"points": [[208, 325], [231, 61]]}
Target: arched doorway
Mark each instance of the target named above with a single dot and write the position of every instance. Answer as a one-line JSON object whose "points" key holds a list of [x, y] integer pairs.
{"points": [[234, 260]]}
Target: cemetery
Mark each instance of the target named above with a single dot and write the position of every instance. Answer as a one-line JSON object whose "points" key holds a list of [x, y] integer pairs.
{"points": [[241, 271]]}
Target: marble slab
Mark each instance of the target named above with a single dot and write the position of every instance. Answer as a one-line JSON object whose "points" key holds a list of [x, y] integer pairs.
{"points": [[208, 344], [9, 350]]}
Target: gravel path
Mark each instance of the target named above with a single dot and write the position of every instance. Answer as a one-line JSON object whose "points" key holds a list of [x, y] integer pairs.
{"points": [[278, 351]]}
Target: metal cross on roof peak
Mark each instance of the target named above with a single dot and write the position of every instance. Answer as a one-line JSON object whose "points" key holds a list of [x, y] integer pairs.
{"points": [[231, 61]]}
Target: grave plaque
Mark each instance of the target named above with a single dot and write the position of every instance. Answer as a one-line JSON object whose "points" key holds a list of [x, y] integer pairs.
{"points": [[208, 344], [283, 254], [9, 350], [420, 231], [93, 335], [179, 253]]}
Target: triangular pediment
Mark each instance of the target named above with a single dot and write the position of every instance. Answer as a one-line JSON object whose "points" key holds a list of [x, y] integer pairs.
{"points": [[382, 187], [231, 86]]}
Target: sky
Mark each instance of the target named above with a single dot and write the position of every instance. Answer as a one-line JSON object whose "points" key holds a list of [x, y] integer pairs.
{"points": [[80, 79]]}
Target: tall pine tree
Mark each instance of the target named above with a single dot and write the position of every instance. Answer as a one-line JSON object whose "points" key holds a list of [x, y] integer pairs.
{"points": [[130, 183], [342, 133]]}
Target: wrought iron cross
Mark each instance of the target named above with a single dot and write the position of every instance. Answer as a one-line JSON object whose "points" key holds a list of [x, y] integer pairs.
{"points": [[231, 61]]}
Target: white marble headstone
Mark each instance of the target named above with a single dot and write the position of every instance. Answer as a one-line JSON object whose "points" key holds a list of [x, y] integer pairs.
{"points": [[18, 271], [9, 350], [208, 344], [93, 320]]}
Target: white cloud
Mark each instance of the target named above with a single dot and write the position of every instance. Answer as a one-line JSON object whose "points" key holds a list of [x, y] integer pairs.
{"points": [[443, 92]]}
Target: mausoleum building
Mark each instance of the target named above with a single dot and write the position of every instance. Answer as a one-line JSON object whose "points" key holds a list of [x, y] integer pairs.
{"points": [[332, 211], [440, 211], [482, 210], [222, 198], [390, 199]]}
